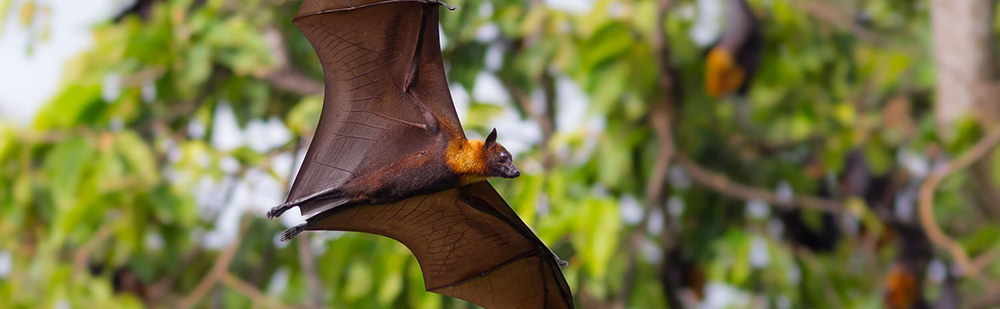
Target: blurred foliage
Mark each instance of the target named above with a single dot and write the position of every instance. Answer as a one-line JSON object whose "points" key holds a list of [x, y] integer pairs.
{"points": [[109, 197]]}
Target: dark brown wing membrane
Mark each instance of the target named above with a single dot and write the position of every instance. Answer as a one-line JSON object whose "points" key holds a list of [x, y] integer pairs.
{"points": [[386, 91], [469, 244]]}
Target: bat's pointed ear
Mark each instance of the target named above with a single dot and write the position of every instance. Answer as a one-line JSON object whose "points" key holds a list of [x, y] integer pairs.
{"points": [[491, 139]]}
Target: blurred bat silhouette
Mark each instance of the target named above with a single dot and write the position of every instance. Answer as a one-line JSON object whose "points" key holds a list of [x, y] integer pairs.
{"points": [[732, 61], [390, 158]]}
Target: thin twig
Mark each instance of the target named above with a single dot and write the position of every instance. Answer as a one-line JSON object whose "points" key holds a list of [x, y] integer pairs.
{"points": [[308, 262], [965, 266], [721, 183], [291, 80], [306, 256], [80, 258], [541, 114], [250, 291], [217, 271], [829, 13], [810, 260], [286, 77], [161, 288], [654, 196], [661, 116], [540, 117], [989, 298], [985, 259]]}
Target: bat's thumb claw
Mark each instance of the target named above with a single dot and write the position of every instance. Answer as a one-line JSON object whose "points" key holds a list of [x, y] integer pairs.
{"points": [[562, 263], [445, 5]]}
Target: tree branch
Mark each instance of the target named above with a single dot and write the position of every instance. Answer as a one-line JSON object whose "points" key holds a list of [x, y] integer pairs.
{"points": [[653, 197], [990, 298], [218, 270], [833, 15], [80, 258], [965, 266], [161, 288], [307, 258], [721, 184], [308, 262], [258, 297], [544, 118], [291, 80], [662, 113], [286, 77]]}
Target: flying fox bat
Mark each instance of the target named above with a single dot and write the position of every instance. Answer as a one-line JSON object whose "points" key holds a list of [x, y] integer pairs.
{"points": [[389, 157], [733, 60]]}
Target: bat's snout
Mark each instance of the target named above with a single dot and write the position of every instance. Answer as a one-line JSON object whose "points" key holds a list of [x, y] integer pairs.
{"points": [[510, 171]]}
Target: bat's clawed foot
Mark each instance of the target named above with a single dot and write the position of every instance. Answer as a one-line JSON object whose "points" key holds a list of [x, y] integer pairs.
{"points": [[292, 232], [278, 210]]}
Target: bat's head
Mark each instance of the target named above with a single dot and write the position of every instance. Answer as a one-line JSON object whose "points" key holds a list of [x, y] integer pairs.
{"points": [[499, 162]]}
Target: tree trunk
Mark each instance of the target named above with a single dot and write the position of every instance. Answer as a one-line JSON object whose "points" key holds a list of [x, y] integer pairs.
{"points": [[964, 55], [967, 74]]}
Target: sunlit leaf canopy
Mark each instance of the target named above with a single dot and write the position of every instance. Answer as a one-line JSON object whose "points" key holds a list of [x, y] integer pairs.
{"points": [[144, 180]]}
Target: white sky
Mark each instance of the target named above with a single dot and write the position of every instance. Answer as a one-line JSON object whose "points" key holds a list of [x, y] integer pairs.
{"points": [[27, 81]]}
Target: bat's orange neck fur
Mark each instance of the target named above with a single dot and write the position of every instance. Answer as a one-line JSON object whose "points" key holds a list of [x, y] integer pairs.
{"points": [[723, 74], [467, 158]]}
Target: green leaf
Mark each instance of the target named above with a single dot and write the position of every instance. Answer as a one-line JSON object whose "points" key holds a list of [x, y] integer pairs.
{"points": [[359, 278], [138, 157], [878, 157], [740, 244], [197, 66], [304, 117], [69, 107], [5, 6], [598, 227], [65, 166], [613, 161], [983, 239], [607, 87], [392, 264], [610, 41], [479, 115], [8, 141]]}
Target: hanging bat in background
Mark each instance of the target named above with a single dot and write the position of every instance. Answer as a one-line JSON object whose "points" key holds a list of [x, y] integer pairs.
{"points": [[732, 61], [390, 158]]}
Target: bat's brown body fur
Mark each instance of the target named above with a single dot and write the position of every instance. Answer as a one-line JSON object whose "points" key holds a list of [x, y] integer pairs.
{"points": [[459, 163], [443, 166]]}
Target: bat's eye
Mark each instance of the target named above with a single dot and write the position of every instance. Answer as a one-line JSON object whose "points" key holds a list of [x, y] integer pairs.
{"points": [[504, 156]]}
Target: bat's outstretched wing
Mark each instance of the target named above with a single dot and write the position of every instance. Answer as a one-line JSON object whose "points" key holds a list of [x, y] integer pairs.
{"points": [[469, 243], [386, 91], [386, 97]]}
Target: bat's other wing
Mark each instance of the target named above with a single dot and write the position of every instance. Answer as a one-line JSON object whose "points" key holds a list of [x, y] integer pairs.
{"points": [[386, 94], [469, 243]]}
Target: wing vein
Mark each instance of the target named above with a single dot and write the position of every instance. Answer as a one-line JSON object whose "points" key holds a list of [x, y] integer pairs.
{"points": [[334, 167], [422, 126], [488, 271]]}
